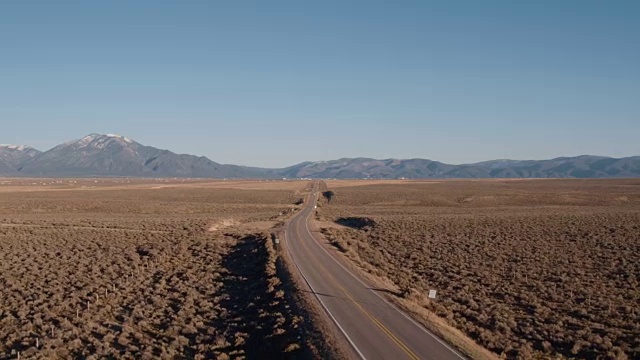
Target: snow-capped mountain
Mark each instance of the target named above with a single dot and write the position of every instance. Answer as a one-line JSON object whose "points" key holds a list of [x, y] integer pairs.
{"points": [[16, 156], [115, 155]]}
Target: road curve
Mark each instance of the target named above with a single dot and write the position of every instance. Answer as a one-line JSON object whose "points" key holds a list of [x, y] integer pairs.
{"points": [[373, 327]]}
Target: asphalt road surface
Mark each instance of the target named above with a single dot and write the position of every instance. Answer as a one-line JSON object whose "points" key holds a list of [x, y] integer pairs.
{"points": [[373, 327]]}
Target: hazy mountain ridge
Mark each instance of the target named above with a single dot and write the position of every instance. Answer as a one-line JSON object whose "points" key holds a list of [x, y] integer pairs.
{"points": [[114, 155], [15, 156], [585, 166], [6, 169]]}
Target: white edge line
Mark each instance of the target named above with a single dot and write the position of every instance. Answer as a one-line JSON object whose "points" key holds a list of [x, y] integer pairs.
{"points": [[383, 299], [320, 300]]}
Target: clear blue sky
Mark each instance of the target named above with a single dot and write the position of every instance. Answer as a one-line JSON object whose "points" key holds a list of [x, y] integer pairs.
{"points": [[271, 83]]}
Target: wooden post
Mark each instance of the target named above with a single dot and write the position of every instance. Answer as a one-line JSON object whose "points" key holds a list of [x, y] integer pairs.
{"points": [[77, 313]]}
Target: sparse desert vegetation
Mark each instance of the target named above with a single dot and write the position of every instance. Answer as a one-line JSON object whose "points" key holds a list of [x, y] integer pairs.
{"points": [[528, 269], [139, 271]]}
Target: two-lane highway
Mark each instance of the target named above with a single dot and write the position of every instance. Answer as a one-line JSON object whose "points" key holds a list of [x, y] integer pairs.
{"points": [[373, 327]]}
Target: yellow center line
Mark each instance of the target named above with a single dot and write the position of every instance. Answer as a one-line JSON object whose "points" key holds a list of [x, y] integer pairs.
{"points": [[388, 332], [384, 329]]}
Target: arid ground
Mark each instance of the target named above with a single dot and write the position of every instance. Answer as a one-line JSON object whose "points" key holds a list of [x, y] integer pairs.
{"points": [[526, 268], [147, 269], [130, 268]]}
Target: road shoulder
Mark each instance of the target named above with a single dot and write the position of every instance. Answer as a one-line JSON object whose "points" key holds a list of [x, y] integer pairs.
{"points": [[336, 347], [410, 306]]}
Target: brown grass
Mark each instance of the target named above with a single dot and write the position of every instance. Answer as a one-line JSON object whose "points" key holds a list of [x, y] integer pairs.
{"points": [[525, 268], [46, 184], [135, 273]]}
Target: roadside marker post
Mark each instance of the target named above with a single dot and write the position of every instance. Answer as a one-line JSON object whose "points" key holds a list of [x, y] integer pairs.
{"points": [[432, 295]]}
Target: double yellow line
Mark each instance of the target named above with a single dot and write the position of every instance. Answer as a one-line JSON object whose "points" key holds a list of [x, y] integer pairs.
{"points": [[384, 329]]}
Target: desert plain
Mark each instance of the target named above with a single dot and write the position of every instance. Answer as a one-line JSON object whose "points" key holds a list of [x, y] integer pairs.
{"points": [[525, 268], [162, 268], [176, 268]]}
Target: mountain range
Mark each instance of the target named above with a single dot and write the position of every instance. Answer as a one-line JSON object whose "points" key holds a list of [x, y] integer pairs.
{"points": [[113, 155]]}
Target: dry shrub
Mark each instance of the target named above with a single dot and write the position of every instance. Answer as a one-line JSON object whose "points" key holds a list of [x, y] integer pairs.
{"points": [[136, 274], [526, 268]]}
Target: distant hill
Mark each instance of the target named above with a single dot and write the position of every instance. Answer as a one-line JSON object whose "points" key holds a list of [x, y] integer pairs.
{"points": [[16, 156], [566, 167], [585, 166], [369, 168], [114, 155], [7, 169]]}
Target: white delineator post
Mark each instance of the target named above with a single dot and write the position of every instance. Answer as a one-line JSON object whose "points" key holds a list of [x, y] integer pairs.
{"points": [[432, 295]]}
